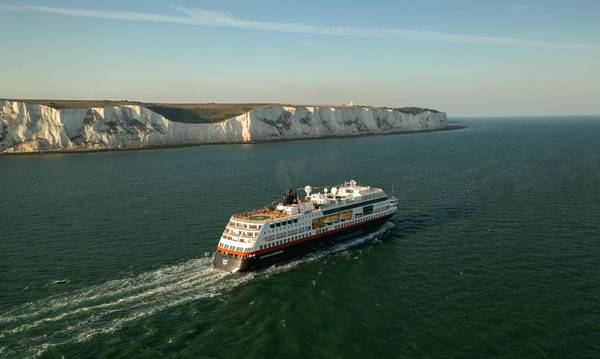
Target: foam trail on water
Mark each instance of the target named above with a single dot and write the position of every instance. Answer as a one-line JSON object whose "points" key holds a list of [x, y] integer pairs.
{"points": [[35, 327], [31, 329], [114, 288]]}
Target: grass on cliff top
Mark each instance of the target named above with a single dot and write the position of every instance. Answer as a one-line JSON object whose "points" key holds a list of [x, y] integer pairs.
{"points": [[190, 113], [415, 110], [212, 112], [65, 104], [205, 112]]}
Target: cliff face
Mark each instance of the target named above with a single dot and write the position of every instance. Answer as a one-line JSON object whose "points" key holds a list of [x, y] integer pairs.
{"points": [[26, 127]]}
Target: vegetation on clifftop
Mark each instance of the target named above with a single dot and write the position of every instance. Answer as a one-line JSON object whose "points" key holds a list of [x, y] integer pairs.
{"points": [[191, 113], [203, 113]]}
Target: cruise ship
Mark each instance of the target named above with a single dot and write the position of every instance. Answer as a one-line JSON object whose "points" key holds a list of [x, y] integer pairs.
{"points": [[262, 237]]}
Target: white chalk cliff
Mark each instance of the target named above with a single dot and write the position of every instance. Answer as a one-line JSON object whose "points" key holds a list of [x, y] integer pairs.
{"points": [[26, 127]]}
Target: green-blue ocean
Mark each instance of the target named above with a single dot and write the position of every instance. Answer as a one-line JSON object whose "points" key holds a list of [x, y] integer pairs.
{"points": [[494, 252]]}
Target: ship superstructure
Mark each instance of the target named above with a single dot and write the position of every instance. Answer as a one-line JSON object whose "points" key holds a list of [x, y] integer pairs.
{"points": [[261, 237]]}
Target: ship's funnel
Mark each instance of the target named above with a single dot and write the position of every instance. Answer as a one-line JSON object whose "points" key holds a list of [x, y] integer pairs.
{"points": [[289, 197]]}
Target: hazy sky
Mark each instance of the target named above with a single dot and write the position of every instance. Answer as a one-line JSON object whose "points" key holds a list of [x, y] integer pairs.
{"points": [[462, 57]]}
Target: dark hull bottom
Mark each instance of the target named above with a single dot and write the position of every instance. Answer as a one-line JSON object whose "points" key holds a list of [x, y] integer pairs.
{"points": [[228, 263]]}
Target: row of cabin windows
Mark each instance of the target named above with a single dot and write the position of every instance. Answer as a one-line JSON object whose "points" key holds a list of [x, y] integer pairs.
{"points": [[361, 219], [276, 243], [279, 224], [236, 249], [241, 233], [281, 235], [244, 240], [245, 225]]}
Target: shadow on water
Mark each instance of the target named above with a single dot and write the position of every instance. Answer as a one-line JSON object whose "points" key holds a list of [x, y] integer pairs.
{"points": [[416, 222], [396, 227]]}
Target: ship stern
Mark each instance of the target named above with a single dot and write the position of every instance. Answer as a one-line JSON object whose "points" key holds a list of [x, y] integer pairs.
{"points": [[228, 263]]}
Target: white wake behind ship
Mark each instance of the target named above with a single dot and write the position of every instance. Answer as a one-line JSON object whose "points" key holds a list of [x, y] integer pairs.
{"points": [[259, 238]]}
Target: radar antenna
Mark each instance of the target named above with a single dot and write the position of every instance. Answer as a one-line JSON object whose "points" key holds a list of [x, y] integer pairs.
{"points": [[308, 190]]}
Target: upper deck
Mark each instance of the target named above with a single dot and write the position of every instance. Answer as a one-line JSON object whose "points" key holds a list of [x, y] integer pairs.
{"points": [[347, 193], [261, 215]]}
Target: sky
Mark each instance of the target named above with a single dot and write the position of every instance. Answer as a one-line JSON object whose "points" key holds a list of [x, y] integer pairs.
{"points": [[466, 58]]}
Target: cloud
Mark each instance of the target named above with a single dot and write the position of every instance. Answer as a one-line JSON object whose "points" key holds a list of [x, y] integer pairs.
{"points": [[203, 17]]}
